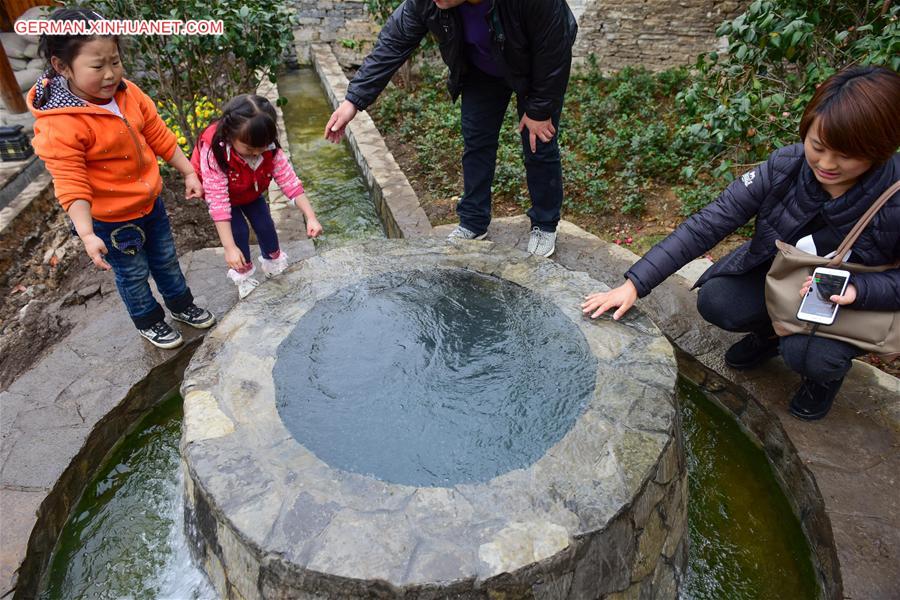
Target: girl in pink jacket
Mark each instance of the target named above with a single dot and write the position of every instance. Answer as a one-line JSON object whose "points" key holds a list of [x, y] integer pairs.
{"points": [[237, 157]]}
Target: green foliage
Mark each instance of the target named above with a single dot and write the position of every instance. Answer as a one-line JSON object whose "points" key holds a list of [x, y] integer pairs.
{"points": [[625, 136], [382, 9], [613, 141], [749, 101], [181, 71]]}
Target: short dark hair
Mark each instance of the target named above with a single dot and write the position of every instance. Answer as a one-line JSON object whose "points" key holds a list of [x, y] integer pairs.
{"points": [[859, 113], [66, 47], [249, 118]]}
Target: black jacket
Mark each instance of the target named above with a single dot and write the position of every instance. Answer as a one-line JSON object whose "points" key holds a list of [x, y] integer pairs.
{"points": [[531, 39], [784, 196]]}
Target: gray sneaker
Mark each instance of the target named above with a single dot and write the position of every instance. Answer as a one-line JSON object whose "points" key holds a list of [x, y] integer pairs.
{"points": [[461, 233], [542, 243], [162, 335]]}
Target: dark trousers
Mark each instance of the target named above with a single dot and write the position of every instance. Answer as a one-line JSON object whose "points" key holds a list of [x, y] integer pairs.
{"points": [[484, 102], [138, 249], [738, 303], [257, 213]]}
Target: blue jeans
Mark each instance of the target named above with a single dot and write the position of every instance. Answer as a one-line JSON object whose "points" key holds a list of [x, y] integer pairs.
{"points": [[257, 213], [140, 248], [484, 102]]}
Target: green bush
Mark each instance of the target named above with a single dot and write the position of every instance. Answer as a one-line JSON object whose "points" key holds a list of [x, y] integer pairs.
{"points": [[181, 71], [749, 101], [624, 136]]}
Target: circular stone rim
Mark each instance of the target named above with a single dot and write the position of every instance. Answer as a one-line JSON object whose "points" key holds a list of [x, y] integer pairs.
{"points": [[260, 480]]}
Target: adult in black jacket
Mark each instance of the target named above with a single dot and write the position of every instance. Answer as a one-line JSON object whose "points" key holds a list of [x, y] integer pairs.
{"points": [[810, 195], [493, 48]]}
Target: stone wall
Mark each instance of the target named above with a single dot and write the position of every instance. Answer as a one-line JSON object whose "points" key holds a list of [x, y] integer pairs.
{"points": [[654, 33], [345, 24]]}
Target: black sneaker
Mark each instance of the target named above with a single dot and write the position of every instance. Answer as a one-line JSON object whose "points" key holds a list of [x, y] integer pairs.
{"points": [[162, 335], [195, 316], [752, 350], [813, 400]]}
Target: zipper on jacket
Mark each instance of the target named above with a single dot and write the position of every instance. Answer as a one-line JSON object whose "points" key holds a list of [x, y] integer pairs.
{"points": [[496, 26], [137, 147]]}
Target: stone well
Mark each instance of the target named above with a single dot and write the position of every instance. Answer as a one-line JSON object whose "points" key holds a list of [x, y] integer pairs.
{"points": [[320, 463]]}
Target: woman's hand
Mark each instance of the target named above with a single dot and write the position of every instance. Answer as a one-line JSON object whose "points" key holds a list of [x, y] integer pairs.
{"points": [[235, 258], [313, 227], [849, 296], [623, 297], [334, 131], [96, 248], [192, 186]]}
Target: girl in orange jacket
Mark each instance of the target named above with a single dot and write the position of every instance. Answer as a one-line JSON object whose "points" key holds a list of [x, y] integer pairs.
{"points": [[99, 136]]}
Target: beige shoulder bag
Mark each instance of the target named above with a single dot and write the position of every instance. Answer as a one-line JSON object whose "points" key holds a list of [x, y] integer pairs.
{"points": [[875, 331]]}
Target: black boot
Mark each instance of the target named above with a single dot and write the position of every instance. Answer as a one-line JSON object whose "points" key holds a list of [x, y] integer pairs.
{"points": [[752, 350], [813, 400]]}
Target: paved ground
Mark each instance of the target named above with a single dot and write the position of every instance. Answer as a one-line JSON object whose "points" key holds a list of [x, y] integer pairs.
{"points": [[49, 413]]}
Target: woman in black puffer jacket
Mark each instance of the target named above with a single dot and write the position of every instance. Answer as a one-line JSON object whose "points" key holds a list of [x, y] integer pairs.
{"points": [[809, 195]]}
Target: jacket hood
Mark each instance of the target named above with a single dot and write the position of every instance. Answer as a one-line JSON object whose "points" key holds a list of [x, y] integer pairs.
{"points": [[51, 95]]}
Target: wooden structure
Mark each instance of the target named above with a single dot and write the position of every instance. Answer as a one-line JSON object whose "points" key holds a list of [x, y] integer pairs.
{"points": [[10, 10]]}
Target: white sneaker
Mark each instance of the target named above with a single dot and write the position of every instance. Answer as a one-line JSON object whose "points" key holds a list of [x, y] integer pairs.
{"points": [[542, 243], [461, 233], [244, 281], [273, 267]]}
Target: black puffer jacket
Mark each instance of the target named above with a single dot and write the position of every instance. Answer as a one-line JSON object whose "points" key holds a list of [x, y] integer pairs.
{"points": [[784, 196], [531, 41]]}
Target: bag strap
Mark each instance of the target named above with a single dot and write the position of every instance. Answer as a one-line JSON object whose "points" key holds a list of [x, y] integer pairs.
{"points": [[863, 222]]}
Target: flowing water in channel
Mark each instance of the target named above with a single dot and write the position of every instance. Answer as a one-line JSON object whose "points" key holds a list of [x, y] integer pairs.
{"points": [[125, 537], [329, 172]]}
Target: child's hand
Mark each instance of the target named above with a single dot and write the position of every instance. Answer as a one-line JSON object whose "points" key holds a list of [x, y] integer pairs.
{"points": [[235, 258], [313, 227], [96, 248], [192, 186]]}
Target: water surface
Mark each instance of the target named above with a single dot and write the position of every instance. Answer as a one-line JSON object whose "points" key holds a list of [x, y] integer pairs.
{"points": [[125, 538], [745, 542], [329, 172], [432, 378]]}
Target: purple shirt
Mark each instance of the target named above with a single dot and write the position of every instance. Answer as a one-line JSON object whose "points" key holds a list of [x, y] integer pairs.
{"points": [[477, 36]]}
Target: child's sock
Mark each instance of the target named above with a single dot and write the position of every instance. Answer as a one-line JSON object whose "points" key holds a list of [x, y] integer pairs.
{"points": [[244, 281], [274, 266]]}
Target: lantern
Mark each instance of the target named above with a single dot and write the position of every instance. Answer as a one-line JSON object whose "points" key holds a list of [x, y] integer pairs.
{"points": [[13, 143]]}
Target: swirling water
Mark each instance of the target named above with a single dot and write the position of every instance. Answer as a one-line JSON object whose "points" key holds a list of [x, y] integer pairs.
{"points": [[433, 378]]}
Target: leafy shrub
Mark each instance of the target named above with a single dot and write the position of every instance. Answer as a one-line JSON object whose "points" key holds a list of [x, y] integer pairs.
{"points": [[749, 101], [183, 72]]}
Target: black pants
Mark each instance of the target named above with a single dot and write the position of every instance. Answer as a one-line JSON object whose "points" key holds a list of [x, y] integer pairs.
{"points": [[257, 213], [738, 303], [484, 102]]}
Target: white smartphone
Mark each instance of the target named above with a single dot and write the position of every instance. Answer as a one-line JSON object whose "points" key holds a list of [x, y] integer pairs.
{"points": [[817, 306]]}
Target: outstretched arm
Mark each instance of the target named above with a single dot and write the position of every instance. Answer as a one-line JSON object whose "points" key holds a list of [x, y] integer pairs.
{"points": [[400, 36]]}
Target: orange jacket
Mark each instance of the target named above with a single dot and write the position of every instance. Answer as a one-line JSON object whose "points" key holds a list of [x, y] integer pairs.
{"points": [[97, 156]]}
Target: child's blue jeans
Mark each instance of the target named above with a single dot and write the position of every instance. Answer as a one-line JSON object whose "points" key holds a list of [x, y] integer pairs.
{"points": [[140, 248]]}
